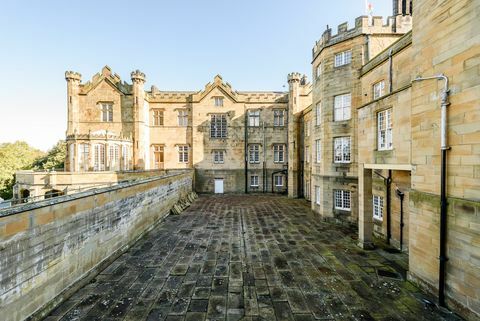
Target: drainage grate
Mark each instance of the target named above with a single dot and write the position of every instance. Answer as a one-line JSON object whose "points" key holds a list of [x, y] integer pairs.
{"points": [[388, 274]]}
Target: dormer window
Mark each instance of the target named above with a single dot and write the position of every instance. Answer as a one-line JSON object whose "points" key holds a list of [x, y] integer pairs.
{"points": [[107, 112], [218, 101]]}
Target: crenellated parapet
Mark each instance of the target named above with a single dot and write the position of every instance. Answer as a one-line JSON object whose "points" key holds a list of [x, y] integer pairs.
{"points": [[294, 77], [73, 76], [137, 76], [363, 25], [106, 74]]}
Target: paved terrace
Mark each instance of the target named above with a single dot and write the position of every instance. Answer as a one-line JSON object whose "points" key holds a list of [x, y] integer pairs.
{"points": [[250, 258]]}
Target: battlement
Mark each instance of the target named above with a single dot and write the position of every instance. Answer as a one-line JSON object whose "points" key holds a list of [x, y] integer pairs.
{"points": [[73, 75], [393, 25], [294, 76], [137, 75]]}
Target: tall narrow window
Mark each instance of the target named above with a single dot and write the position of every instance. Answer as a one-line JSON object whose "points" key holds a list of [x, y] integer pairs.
{"points": [[218, 101], [378, 207], [158, 156], [254, 118], [342, 200], [182, 118], [83, 157], [342, 150], [278, 153], [254, 181], [278, 117], [384, 124], [157, 117], [218, 156], [318, 71], [107, 112], [318, 150], [318, 114], [317, 195], [114, 157], [307, 128], [183, 154], [254, 153], [99, 157], [126, 158], [278, 179], [307, 154], [343, 58], [378, 89], [342, 104], [307, 189], [218, 126]]}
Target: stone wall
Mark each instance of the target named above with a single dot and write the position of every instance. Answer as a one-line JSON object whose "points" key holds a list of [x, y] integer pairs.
{"points": [[49, 248]]}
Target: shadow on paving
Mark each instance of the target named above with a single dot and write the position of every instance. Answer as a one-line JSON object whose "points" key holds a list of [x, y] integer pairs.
{"points": [[237, 257]]}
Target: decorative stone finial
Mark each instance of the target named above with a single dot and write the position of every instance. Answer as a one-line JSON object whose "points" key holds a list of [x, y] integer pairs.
{"points": [[73, 75]]}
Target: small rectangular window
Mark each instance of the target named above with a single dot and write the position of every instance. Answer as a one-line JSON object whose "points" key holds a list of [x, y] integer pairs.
{"points": [[218, 156], [317, 195], [157, 117], [318, 71], [182, 118], [384, 130], [254, 118], [307, 128], [343, 58], [107, 112], [278, 180], [278, 153], [254, 153], [278, 117], [254, 180], [378, 207], [378, 89], [218, 101], [342, 150], [183, 154], [342, 107], [342, 200]]}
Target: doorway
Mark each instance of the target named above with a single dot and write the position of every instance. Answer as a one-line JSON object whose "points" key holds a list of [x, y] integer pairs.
{"points": [[218, 185]]}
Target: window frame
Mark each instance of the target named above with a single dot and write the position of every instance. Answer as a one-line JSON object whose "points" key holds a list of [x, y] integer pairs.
{"points": [[218, 101], [183, 154], [182, 118], [218, 156], [381, 91], [279, 150], [385, 134], [158, 117], [340, 195], [254, 118], [158, 150], [318, 114], [218, 126], [254, 149], [342, 103], [317, 194], [252, 180], [342, 58], [377, 207], [279, 118], [318, 71], [343, 159], [276, 179], [106, 109], [318, 151]]}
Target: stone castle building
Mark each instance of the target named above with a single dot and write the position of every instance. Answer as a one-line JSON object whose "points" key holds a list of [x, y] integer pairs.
{"points": [[365, 142]]}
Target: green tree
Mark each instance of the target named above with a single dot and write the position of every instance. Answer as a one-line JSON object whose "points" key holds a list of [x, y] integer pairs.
{"points": [[13, 157], [54, 159]]}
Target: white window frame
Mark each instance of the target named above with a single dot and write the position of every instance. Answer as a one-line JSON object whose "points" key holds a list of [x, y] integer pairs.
{"points": [[254, 153], [318, 71], [342, 149], [379, 89], [384, 130], [99, 157], [218, 101], [378, 207], [342, 200], [318, 114], [158, 150], [126, 157], [218, 126], [343, 58], [317, 195], [114, 157], [183, 152], [342, 109], [278, 117], [183, 118], [254, 118], [106, 112], [278, 153], [83, 157], [254, 180], [318, 151], [278, 179], [218, 156]]}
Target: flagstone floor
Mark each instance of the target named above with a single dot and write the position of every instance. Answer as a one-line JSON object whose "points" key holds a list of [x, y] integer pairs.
{"points": [[238, 257]]}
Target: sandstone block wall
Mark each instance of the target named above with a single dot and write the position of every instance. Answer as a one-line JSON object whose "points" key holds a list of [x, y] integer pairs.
{"points": [[48, 246]]}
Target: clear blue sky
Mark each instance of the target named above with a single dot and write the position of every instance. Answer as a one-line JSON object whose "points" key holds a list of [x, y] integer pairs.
{"points": [[178, 44]]}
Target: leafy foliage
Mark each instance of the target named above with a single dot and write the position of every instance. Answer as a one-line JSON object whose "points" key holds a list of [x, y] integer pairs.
{"points": [[54, 159], [13, 157]]}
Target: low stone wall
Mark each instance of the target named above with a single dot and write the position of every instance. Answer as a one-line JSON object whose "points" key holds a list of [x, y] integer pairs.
{"points": [[48, 248]]}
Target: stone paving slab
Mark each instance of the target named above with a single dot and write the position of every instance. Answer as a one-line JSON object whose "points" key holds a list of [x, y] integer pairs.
{"points": [[238, 257]]}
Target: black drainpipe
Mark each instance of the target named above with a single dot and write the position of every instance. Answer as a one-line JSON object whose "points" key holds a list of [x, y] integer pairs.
{"points": [[401, 195], [246, 153]]}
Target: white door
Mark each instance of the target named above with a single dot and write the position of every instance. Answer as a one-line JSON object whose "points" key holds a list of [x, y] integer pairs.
{"points": [[218, 185]]}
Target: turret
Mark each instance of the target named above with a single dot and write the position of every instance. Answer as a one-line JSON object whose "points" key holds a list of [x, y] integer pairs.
{"points": [[294, 82], [73, 88], [402, 7], [140, 112]]}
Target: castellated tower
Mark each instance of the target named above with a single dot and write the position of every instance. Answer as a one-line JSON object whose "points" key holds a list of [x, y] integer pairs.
{"points": [[73, 89], [140, 112]]}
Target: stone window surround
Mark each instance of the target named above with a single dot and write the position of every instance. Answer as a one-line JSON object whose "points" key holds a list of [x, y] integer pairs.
{"points": [[342, 58], [342, 200], [384, 133], [377, 208], [218, 156], [345, 158]]}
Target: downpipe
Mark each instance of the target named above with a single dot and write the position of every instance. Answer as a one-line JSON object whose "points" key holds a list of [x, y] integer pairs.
{"points": [[443, 185]]}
